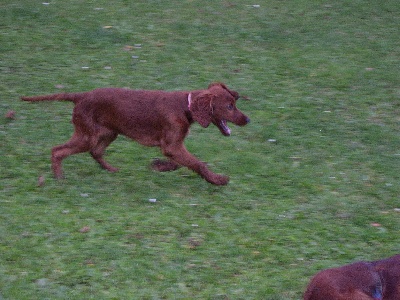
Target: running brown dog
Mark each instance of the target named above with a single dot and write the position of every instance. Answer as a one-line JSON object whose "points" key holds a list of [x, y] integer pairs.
{"points": [[376, 280], [152, 118]]}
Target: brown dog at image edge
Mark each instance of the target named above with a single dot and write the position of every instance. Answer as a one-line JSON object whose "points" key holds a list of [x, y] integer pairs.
{"points": [[152, 118], [376, 280]]}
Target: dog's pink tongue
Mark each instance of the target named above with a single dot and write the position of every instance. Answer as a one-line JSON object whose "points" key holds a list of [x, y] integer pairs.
{"points": [[226, 130]]}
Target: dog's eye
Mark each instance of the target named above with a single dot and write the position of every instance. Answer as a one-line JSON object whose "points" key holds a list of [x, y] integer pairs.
{"points": [[230, 107]]}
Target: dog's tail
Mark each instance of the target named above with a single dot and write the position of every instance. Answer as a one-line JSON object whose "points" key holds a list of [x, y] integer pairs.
{"points": [[73, 97]]}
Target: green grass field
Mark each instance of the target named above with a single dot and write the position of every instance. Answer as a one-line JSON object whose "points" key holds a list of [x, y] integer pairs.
{"points": [[314, 176]]}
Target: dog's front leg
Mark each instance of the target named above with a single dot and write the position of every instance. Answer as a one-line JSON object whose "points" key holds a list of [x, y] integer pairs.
{"points": [[180, 155]]}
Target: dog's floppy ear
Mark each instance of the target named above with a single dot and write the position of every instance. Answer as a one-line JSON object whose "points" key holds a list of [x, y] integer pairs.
{"points": [[223, 85], [201, 108]]}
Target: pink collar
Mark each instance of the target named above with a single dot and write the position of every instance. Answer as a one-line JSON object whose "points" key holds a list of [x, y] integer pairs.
{"points": [[189, 100]]}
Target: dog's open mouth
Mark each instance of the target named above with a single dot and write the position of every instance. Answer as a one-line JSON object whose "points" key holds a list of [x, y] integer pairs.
{"points": [[225, 130]]}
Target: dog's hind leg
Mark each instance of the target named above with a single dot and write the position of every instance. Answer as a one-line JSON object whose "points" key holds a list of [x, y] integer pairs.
{"points": [[77, 144], [106, 138]]}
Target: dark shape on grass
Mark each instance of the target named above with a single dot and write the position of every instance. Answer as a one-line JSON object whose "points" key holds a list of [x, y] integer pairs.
{"points": [[84, 229], [163, 165], [10, 115], [41, 181], [193, 243]]}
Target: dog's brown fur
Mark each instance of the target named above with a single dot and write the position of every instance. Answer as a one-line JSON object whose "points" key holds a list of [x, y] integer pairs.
{"points": [[389, 270], [152, 118], [377, 280]]}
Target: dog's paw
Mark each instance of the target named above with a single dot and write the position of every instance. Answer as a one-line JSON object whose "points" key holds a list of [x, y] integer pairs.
{"points": [[112, 169], [59, 177], [219, 180]]}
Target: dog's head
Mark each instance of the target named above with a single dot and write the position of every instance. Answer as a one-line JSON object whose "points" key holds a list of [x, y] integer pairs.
{"points": [[217, 105], [354, 281]]}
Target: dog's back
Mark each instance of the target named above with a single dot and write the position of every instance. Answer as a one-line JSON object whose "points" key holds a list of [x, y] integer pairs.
{"points": [[137, 114]]}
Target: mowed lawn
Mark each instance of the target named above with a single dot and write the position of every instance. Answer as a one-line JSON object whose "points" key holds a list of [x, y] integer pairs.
{"points": [[314, 176]]}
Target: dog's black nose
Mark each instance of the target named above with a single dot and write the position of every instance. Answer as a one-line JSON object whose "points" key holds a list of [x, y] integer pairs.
{"points": [[247, 120]]}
